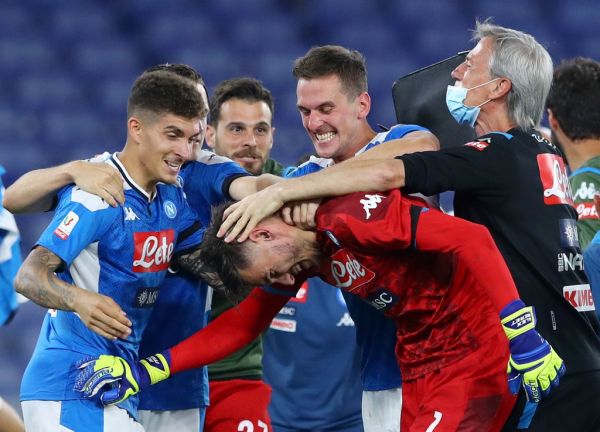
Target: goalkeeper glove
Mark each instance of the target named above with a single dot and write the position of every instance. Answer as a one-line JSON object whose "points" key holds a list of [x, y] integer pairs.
{"points": [[119, 379], [533, 362]]}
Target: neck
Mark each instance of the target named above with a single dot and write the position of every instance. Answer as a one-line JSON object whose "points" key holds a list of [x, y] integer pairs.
{"points": [[493, 118], [134, 166], [580, 151], [362, 138]]}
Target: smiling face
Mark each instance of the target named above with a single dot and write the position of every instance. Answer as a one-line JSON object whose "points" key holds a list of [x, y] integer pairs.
{"points": [[165, 143], [243, 133], [332, 120]]}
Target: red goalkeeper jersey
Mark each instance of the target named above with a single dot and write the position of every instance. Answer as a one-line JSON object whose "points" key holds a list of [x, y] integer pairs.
{"points": [[440, 278]]}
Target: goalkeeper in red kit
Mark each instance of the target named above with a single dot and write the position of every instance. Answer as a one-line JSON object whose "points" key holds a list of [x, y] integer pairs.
{"points": [[441, 279]]}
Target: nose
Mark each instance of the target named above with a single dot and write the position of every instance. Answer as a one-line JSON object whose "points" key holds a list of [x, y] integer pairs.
{"points": [[249, 139], [185, 149], [313, 121], [458, 72]]}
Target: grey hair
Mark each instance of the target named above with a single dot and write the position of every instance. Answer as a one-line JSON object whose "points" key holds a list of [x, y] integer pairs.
{"points": [[526, 63]]}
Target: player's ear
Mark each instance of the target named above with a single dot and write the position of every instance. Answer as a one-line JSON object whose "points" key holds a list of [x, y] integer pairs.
{"points": [[134, 128], [260, 234], [364, 105], [210, 136]]}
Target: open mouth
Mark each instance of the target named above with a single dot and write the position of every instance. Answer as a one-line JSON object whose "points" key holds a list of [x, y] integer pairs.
{"points": [[325, 137], [173, 166]]}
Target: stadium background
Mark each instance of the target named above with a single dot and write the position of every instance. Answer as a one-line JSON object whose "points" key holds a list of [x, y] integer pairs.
{"points": [[66, 67]]}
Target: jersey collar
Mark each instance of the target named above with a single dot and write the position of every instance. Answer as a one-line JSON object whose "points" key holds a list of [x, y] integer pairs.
{"points": [[129, 183]]}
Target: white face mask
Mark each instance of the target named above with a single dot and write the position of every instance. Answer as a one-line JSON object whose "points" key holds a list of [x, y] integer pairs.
{"points": [[454, 101]]}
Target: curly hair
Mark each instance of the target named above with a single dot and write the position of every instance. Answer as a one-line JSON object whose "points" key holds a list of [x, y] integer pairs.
{"points": [[574, 98]]}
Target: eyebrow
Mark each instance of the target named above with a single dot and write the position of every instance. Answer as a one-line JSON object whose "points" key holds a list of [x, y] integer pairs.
{"points": [[324, 104]]}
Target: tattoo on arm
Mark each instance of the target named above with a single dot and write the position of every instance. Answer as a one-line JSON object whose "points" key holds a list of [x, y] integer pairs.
{"points": [[36, 280]]}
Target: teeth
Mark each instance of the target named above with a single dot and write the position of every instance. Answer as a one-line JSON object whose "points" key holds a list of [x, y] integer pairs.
{"points": [[172, 164], [325, 137]]}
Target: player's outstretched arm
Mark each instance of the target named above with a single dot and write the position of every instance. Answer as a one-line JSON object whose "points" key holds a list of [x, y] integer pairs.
{"points": [[35, 190], [36, 281], [115, 379], [533, 363], [353, 175]]}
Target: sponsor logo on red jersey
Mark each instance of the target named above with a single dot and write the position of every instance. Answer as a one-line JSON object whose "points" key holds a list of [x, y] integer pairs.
{"points": [[302, 294], [347, 272], [153, 250], [63, 231], [555, 180], [580, 297], [586, 210]]}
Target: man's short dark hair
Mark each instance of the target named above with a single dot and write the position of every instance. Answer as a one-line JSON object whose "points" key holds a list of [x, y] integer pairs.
{"points": [[247, 89], [322, 61], [182, 70], [162, 92], [574, 98], [222, 260]]}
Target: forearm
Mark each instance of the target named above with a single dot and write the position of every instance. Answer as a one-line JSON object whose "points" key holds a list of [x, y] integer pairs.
{"points": [[247, 185], [354, 175], [34, 191], [230, 332], [36, 281]]}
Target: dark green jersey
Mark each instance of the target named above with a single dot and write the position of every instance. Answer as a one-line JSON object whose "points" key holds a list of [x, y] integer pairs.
{"points": [[585, 182]]}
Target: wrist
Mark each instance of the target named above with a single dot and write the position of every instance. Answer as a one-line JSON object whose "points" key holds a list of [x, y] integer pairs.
{"points": [[517, 319], [70, 170]]}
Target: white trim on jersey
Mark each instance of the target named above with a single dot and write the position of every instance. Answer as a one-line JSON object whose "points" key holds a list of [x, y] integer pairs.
{"points": [[207, 157], [85, 268]]}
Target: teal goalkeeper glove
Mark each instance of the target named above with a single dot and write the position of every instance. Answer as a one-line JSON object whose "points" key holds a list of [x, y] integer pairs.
{"points": [[533, 362], [118, 379]]}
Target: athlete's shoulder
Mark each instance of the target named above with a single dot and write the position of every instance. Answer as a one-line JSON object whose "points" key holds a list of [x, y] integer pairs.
{"points": [[400, 130], [207, 157], [313, 164], [492, 140], [75, 195]]}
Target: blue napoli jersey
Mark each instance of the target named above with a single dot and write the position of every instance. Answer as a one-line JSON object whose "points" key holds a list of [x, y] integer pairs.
{"points": [[327, 391], [375, 334], [10, 260], [121, 252], [205, 183]]}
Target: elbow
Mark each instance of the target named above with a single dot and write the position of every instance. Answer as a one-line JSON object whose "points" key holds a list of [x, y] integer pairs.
{"points": [[390, 175], [9, 201], [431, 142]]}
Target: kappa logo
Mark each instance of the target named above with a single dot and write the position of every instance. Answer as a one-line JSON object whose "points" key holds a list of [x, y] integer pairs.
{"points": [[580, 297], [586, 191], [555, 180], [345, 321], [63, 231], [130, 214], [153, 250], [370, 202]]}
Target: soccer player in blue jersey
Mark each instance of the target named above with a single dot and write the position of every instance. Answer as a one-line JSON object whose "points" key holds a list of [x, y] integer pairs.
{"points": [[145, 165], [334, 103]]}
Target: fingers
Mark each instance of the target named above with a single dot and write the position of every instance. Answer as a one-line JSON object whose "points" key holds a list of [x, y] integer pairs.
{"points": [[230, 217], [286, 215]]}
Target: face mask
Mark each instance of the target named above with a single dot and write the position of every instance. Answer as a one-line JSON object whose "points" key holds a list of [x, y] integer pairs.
{"points": [[454, 101]]}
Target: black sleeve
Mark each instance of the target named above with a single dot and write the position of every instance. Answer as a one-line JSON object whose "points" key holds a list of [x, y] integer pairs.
{"points": [[482, 164]]}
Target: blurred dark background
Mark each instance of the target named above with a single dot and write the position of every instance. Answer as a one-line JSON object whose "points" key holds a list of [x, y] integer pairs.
{"points": [[66, 67]]}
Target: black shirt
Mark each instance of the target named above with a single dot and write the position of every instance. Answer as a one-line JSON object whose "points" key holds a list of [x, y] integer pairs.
{"points": [[516, 185]]}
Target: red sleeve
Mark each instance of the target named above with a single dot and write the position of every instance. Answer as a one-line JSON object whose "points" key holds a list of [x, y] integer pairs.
{"points": [[388, 221], [231, 331], [473, 245]]}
